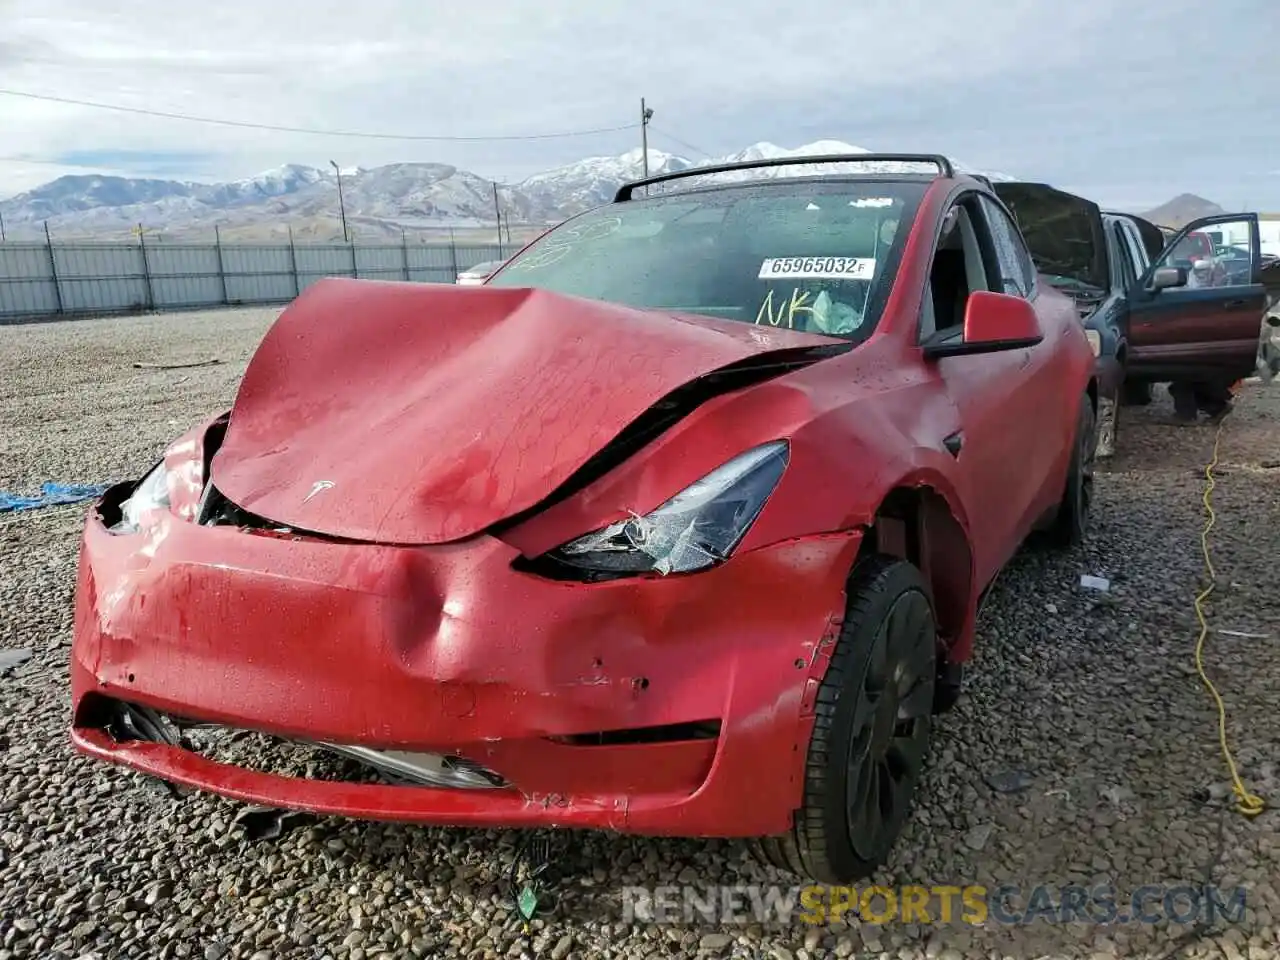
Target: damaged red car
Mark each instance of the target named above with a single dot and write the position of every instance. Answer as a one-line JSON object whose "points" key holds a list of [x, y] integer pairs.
{"points": [[679, 525]]}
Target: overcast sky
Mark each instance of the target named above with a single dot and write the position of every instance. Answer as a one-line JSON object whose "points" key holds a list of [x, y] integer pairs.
{"points": [[1129, 103]]}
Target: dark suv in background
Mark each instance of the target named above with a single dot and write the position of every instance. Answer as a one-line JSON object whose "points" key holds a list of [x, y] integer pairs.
{"points": [[1150, 313]]}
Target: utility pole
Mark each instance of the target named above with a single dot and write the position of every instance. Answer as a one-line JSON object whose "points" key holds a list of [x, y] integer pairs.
{"points": [[1, 228], [342, 207], [497, 210], [645, 116]]}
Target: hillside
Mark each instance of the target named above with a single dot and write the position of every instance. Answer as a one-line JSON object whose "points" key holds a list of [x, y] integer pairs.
{"points": [[381, 202], [1181, 210]]}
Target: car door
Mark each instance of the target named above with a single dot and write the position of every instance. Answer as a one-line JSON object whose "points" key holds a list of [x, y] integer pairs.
{"points": [[993, 447], [1039, 396], [1205, 323]]}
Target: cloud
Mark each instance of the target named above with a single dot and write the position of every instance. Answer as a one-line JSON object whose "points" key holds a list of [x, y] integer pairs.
{"points": [[138, 162], [1104, 96]]}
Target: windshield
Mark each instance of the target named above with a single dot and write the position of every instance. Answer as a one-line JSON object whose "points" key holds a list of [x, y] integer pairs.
{"points": [[816, 256]]}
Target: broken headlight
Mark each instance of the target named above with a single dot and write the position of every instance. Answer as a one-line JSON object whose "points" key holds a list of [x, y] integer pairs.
{"points": [[150, 496], [696, 528]]}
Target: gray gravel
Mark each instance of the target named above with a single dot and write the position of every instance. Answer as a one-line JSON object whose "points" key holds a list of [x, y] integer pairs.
{"points": [[1086, 749]]}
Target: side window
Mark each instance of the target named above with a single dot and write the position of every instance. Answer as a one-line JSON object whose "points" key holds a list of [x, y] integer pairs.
{"points": [[1124, 256], [1140, 259], [1208, 265], [959, 268], [1017, 272]]}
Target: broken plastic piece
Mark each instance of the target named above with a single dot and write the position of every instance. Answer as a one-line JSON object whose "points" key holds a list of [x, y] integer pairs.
{"points": [[12, 658], [1095, 583], [527, 902], [268, 823], [1009, 781]]}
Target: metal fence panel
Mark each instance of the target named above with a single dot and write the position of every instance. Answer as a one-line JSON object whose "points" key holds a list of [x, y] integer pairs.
{"points": [[259, 273], [184, 276], [101, 277], [469, 256], [381, 263], [435, 264], [325, 260], [26, 280], [96, 277]]}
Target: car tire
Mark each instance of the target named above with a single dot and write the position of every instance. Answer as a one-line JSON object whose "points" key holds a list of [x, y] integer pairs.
{"points": [[1136, 393], [873, 718], [1072, 520]]}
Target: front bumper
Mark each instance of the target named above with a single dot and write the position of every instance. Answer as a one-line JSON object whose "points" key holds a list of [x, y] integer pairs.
{"points": [[447, 649]]}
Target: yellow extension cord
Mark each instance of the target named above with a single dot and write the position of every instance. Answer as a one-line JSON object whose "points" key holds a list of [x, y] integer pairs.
{"points": [[1249, 804]]}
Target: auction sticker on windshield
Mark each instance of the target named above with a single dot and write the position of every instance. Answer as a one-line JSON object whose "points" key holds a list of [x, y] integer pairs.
{"points": [[818, 268]]}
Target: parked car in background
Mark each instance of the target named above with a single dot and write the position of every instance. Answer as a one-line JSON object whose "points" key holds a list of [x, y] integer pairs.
{"points": [[476, 275], [1196, 253], [678, 525], [1089, 257], [1237, 263], [1137, 294]]}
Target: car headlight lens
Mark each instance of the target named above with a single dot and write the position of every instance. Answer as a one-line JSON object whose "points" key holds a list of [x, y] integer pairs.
{"points": [[696, 528], [1095, 341], [149, 496]]}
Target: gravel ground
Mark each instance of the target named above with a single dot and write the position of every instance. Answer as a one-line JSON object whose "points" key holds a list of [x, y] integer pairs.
{"points": [[1091, 700]]}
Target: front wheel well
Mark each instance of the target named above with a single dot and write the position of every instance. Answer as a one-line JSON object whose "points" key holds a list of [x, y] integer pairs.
{"points": [[916, 524]]}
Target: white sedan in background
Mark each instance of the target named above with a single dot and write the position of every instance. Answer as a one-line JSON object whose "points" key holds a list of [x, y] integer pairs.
{"points": [[475, 276]]}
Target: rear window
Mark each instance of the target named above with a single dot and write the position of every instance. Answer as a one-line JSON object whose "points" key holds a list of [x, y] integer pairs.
{"points": [[817, 256]]}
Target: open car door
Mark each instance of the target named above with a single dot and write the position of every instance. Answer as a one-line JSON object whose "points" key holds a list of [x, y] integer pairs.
{"points": [[1191, 320]]}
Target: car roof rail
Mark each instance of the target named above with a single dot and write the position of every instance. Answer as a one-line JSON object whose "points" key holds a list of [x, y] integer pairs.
{"points": [[945, 169]]}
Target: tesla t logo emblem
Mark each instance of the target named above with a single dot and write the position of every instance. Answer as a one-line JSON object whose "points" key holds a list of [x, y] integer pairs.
{"points": [[317, 487]]}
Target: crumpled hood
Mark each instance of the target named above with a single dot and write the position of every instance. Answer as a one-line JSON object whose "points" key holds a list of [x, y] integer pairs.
{"points": [[424, 413], [1065, 233]]}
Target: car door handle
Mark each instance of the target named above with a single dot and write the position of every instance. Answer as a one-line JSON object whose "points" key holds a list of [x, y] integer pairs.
{"points": [[1235, 304]]}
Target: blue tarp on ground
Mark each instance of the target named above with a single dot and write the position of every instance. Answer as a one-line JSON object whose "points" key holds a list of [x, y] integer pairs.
{"points": [[51, 495]]}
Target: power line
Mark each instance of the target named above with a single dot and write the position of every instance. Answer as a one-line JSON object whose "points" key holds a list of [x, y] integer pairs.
{"points": [[683, 143], [351, 134]]}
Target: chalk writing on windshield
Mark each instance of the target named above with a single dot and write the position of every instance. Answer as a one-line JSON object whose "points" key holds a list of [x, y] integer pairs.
{"points": [[561, 241], [784, 314]]}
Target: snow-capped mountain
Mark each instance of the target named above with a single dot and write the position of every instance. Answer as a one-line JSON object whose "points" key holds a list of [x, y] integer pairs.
{"points": [[279, 182], [595, 180], [379, 201]]}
